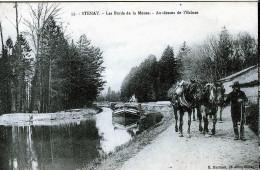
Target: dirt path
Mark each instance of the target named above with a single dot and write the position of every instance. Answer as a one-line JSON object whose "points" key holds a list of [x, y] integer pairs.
{"points": [[169, 151]]}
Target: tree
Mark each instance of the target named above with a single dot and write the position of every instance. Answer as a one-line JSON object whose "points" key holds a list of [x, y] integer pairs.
{"points": [[128, 84], [85, 73], [88, 72], [108, 97], [218, 56], [5, 80], [141, 81], [247, 46], [115, 96], [39, 19], [184, 61], [2, 39], [55, 50], [223, 54], [58, 76], [151, 80], [146, 76], [167, 72], [22, 72]]}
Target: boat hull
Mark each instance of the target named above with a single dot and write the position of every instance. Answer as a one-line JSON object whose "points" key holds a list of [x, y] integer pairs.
{"points": [[127, 112]]}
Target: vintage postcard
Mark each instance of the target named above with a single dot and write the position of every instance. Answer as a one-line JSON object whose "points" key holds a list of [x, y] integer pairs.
{"points": [[129, 85]]}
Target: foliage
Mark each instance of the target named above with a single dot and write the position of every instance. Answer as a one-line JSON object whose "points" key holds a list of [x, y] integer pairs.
{"points": [[58, 76], [182, 58], [151, 80], [167, 73], [219, 56], [128, 86], [111, 96], [5, 83], [85, 73]]}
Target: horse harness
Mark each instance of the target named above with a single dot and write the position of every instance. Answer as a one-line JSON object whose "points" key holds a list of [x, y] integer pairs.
{"points": [[181, 99]]}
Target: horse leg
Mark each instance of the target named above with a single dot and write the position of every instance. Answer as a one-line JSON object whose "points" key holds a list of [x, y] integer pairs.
{"points": [[189, 122], [206, 122], [176, 119], [181, 122], [220, 113], [198, 112], [199, 115], [214, 123], [193, 110]]}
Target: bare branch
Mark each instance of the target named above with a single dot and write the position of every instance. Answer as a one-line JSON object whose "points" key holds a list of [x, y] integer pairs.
{"points": [[54, 13], [20, 19], [39, 18], [33, 11], [10, 21]]}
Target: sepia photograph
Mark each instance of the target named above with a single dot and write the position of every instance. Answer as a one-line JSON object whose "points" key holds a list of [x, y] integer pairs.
{"points": [[129, 85]]}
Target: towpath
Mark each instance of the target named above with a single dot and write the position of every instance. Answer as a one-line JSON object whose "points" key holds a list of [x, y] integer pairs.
{"points": [[169, 151]]}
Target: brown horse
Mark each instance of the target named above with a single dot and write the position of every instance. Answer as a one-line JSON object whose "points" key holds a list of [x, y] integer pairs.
{"points": [[209, 107], [183, 99], [198, 93], [220, 99], [198, 96]]}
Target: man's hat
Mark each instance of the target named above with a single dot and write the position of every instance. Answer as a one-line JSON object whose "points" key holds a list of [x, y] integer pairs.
{"points": [[235, 84]]}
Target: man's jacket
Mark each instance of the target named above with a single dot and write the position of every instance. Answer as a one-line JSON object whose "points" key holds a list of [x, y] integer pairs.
{"points": [[233, 97]]}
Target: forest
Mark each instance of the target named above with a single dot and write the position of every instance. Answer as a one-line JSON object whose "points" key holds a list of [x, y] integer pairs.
{"points": [[44, 70], [217, 57]]}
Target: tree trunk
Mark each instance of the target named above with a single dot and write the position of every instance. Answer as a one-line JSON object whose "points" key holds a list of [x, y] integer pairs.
{"points": [[2, 39], [17, 28], [34, 89], [36, 76], [50, 88], [20, 87]]}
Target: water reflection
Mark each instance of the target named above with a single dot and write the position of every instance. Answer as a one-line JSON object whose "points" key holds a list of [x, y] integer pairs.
{"points": [[49, 147], [128, 124], [66, 146], [110, 137], [149, 121]]}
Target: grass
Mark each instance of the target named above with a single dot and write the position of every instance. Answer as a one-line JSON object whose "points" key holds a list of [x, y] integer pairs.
{"points": [[116, 159]]}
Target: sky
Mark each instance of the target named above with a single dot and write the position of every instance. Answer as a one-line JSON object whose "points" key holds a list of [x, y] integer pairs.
{"points": [[127, 40]]}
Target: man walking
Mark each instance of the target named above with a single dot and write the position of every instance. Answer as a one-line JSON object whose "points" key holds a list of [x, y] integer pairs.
{"points": [[237, 98]]}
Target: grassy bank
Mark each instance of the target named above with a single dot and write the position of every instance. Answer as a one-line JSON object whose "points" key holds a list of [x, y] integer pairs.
{"points": [[122, 153]]}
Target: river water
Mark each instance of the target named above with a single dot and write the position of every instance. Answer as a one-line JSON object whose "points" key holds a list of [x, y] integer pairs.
{"points": [[70, 145]]}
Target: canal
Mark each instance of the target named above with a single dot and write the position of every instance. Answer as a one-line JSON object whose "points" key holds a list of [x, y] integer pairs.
{"points": [[70, 145]]}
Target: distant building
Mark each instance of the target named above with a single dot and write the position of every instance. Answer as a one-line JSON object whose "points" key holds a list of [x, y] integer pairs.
{"points": [[249, 81]]}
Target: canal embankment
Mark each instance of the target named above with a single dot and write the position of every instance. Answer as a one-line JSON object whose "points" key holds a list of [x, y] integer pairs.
{"points": [[46, 118], [115, 159]]}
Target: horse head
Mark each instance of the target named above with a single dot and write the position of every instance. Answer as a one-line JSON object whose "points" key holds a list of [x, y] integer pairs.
{"points": [[181, 87], [196, 90], [179, 91], [220, 93], [211, 91]]}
